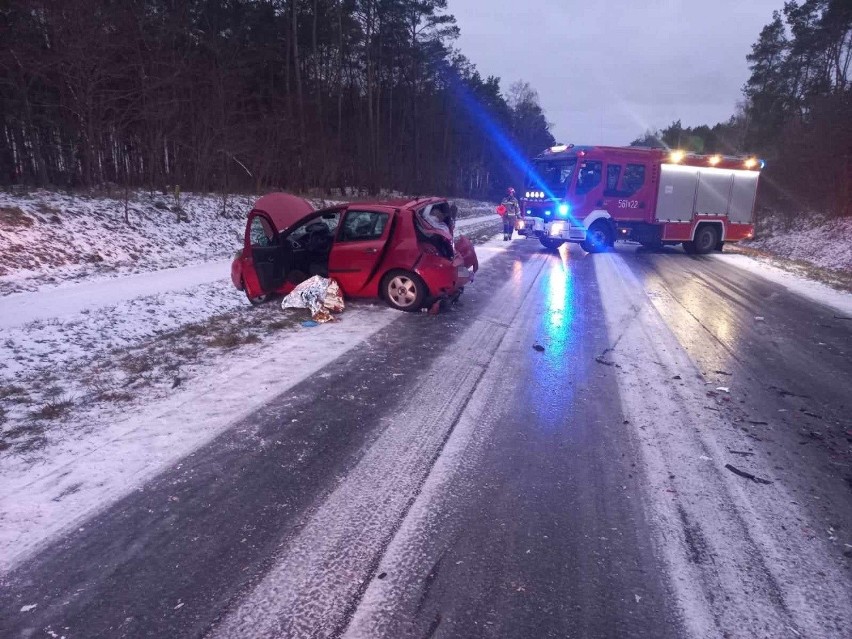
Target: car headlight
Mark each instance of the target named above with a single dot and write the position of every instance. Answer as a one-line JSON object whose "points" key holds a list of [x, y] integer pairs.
{"points": [[556, 228]]}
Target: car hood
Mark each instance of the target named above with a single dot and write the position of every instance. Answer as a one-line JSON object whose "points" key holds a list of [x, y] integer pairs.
{"points": [[284, 209]]}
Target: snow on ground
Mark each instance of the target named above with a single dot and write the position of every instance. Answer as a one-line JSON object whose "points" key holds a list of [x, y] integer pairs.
{"points": [[710, 526], [475, 208], [810, 289], [108, 449], [106, 381], [48, 237], [826, 243], [68, 299], [308, 590]]}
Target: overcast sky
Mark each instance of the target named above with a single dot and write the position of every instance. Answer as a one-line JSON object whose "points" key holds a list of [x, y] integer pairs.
{"points": [[607, 70]]}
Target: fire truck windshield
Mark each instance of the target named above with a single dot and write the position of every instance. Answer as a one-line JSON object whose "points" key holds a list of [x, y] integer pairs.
{"points": [[553, 174]]}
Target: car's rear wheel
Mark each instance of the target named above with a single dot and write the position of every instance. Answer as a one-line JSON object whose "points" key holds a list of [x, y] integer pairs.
{"points": [[550, 243], [404, 291]]}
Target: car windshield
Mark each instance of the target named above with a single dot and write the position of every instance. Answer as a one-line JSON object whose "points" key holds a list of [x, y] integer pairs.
{"points": [[555, 174]]}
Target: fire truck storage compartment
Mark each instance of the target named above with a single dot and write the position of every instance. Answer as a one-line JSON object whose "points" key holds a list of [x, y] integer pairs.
{"points": [[714, 191], [677, 193], [742, 197], [687, 191]]}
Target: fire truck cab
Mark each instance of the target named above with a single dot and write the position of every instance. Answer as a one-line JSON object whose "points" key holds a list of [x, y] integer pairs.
{"points": [[595, 195]]}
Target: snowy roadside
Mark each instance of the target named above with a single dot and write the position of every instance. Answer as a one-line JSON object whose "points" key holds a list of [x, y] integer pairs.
{"points": [[794, 280], [68, 299], [813, 248], [826, 243], [50, 238], [96, 402]]}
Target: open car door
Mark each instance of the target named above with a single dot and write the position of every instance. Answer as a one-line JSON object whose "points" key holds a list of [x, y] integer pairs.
{"points": [[359, 247], [263, 257]]}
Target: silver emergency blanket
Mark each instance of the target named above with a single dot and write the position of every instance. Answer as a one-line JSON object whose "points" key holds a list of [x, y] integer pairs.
{"points": [[319, 294]]}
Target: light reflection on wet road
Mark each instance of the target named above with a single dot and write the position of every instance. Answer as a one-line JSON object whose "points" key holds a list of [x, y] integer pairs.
{"points": [[537, 530]]}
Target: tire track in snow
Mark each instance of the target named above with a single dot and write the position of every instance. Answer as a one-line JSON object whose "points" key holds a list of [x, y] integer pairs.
{"points": [[316, 587]]}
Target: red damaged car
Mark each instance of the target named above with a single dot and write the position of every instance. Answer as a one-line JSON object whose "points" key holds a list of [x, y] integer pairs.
{"points": [[401, 251]]}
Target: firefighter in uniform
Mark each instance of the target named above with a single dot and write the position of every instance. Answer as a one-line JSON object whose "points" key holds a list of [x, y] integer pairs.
{"points": [[513, 210]]}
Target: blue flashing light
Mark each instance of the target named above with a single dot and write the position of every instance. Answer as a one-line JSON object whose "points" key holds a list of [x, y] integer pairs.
{"points": [[563, 210], [529, 211], [495, 133]]}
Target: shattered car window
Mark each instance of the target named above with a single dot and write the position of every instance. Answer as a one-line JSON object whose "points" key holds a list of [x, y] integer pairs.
{"points": [[261, 232], [433, 226], [331, 220], [363, 225], [435, 217]]}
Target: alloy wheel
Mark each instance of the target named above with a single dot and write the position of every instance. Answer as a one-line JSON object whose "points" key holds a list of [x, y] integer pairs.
{"points": [[402, 290]]}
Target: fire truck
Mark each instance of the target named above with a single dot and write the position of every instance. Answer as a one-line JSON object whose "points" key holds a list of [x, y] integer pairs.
{"points": [[596, 195]]}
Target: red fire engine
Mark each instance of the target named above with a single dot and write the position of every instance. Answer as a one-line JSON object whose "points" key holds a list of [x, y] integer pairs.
{"points": [[598, 194]]}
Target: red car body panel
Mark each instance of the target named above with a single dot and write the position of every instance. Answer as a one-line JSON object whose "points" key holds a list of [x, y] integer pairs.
{"points": [[464, 247], [284, 209], [360, 265]]}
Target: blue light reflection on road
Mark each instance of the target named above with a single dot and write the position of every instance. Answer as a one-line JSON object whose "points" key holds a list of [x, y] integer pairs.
{"points": [[558, 333]]}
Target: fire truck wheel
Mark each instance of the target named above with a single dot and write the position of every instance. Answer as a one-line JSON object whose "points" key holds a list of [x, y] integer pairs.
{"points": [[550, 244], [598, 238], [706, 239]]}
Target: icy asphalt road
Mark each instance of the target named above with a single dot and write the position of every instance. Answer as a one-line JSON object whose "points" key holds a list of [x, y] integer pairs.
{"points": [[549, 460]]}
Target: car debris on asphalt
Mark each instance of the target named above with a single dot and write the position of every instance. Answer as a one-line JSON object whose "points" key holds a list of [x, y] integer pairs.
{"points": [[746, 475]]}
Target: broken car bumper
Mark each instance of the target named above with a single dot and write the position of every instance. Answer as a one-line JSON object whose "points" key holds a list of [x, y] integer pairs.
{"points": [[444, 279]]}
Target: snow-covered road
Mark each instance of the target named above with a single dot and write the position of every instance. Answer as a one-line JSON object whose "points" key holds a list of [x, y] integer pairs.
{"points": [[105, 450], [67, 300], [624, 443]]}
